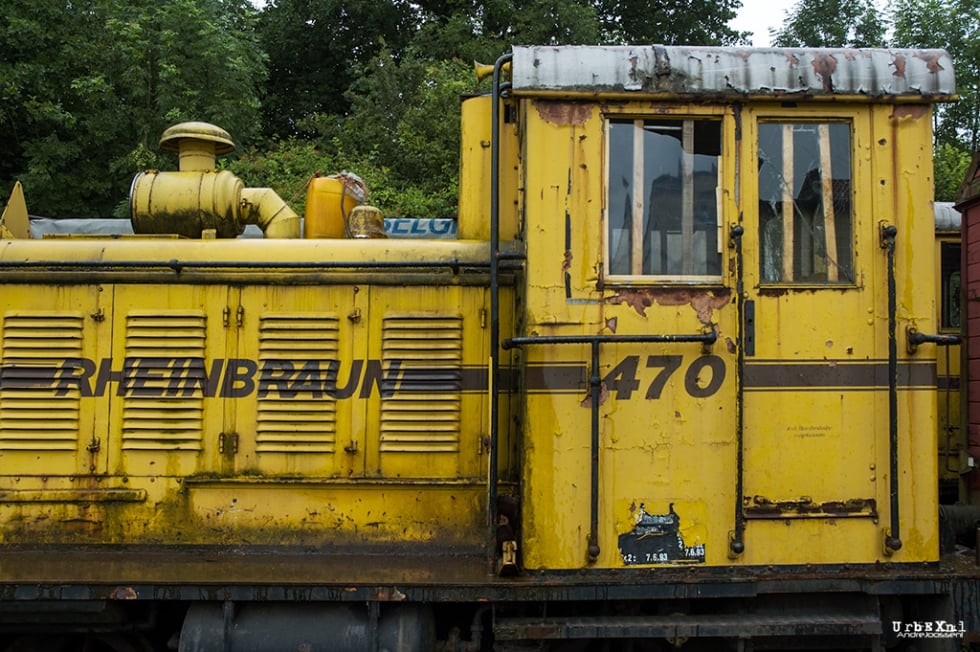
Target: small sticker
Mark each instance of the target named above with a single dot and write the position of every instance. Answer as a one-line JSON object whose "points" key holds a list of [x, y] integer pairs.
{"points": [[656, 539]]}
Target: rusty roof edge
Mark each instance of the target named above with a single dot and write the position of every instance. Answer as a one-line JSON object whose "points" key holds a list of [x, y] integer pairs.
{"points": [[814, 73]]}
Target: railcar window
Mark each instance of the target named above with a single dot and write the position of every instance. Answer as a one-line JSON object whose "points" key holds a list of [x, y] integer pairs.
{"points": [[805, 203], [663, 198], [950, 261]]}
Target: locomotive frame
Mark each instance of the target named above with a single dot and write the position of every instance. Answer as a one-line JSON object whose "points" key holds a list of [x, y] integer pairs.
{"points": [[569, 426]]}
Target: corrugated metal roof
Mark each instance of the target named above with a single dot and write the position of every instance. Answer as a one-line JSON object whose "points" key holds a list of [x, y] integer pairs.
{"points": [[721, 71], [947, 217]]}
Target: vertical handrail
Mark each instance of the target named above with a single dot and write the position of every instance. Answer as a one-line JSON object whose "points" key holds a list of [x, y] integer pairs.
{"points": [[737, 544], [595, 384], [493, 474], [893, 540]]}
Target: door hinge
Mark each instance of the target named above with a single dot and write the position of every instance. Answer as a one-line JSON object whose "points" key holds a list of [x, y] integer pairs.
{"points": [[228, 440]]}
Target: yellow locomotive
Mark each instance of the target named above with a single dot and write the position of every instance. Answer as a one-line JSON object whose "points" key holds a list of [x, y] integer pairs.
{"points": [[672, 381]]}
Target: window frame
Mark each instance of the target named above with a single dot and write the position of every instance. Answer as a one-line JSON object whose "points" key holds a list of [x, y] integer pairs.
{"points": [[719, 116], [949, 267], [787, 120]]}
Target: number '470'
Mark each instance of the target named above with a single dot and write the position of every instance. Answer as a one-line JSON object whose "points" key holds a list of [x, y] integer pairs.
{"points": [[702, 378]]}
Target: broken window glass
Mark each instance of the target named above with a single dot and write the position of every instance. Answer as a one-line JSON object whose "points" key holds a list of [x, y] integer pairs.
{"points": [[805, 205], [663, 185]]}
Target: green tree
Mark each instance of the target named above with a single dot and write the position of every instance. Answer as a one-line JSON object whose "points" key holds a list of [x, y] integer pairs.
{"points": [[957, 125], [950, 165], [673, 22], [832, 23], [315, 48], [949, 27], [482, 31], [87, 87], [410, 110], [401, 135]]}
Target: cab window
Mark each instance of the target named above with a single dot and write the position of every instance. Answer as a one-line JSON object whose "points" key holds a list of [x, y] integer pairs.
{"points": [[805, 203], [950, 300], [663, 198]]}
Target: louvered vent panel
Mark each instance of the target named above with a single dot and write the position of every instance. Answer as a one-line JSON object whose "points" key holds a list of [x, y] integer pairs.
{"points": [[422, 415], [164, 379], [39, 410], [298, 363]]}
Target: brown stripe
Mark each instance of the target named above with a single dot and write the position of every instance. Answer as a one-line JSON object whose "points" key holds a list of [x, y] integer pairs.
{"points": [[769, 375], [827, 374], [557, 378], [948, 383], [474, 379]]}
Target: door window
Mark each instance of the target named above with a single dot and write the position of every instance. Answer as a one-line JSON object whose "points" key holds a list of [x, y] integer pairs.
{"points": [[805, 203], [663, 185]]}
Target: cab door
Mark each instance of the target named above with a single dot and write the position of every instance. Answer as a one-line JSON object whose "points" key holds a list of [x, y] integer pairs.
{"points": [[814, 337], [670, 414]]}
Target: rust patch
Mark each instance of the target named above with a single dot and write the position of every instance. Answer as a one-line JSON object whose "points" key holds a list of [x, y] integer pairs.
{"points": [[566, 263], [792, 59], [730, 345], [563, 113], [913, 111], [702, 301], [899, 62], [603, 396], [825, 65], [704, 305], [773, 292], [931, 57], [388, 594], [612, 324], [123, 593]]}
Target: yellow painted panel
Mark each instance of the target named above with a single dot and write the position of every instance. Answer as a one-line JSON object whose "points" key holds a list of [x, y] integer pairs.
{"points": [[428, 417], [336, 514], [171, 365], [306, 344], [475, 175], [51, 341]]}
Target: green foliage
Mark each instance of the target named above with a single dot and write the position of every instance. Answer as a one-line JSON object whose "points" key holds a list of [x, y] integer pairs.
{"points": [[953, 26], [677, 22], [402, 135], [369, 86], [950, 165], [832, 23], [315, 48], [957, 125], [87, 87], [286, 167]]}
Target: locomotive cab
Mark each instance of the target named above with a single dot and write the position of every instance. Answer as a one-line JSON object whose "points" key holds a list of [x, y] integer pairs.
{"points": [[738, 248]]}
